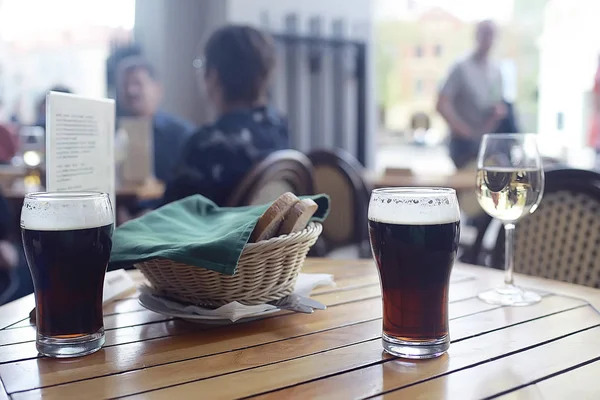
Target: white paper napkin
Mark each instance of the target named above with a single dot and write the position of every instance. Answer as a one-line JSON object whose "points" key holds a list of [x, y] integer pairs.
{"points": [[234, 310], [116, 283]]}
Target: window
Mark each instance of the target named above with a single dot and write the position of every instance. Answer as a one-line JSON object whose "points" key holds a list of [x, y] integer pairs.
{"points": [[437, 50], [419, 87], [418, 51]]}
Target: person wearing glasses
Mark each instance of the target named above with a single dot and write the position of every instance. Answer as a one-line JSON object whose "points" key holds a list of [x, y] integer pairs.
{"points": [[139, 94], [237, 66]]}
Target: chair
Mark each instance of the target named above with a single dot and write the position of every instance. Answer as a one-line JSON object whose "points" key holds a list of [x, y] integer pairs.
{"points": [[340, 175], [561, 239], [280, 172]]}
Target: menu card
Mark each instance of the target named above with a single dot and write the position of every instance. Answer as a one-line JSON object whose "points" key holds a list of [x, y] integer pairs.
{"points": [[80, 135], [138, 165]]}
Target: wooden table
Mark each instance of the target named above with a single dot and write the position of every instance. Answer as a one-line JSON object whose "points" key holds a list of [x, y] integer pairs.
{"points": [[461, 181], [549, 350]]}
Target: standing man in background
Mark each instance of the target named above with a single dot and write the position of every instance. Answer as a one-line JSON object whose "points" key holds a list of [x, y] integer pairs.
{"points": [[471, 98], [139, 94]]}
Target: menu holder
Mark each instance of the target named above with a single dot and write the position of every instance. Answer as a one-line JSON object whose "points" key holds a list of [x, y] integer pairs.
{"points": [[138, 165], [80, 136]]}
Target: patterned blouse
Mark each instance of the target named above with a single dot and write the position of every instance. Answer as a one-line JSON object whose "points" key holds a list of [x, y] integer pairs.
{"points": [[218, 156]]}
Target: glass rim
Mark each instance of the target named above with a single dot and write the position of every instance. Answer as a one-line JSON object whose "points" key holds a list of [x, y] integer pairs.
{"points": [[62, 196], [415, 191], [508, 135]]}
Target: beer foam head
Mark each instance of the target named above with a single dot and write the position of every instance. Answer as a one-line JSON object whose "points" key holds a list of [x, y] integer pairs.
{"points": [[61, 211], [414, 206]]}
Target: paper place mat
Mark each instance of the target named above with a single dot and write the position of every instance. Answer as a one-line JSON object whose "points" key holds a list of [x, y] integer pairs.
{"points": [[234, 310], [456, 277]]}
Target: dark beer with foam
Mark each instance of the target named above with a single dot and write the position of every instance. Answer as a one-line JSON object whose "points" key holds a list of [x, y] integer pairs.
{"points": [[414, 237], [67, 239]]}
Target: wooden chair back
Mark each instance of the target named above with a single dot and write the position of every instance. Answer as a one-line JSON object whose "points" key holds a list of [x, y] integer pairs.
{"points": [[341, 176], [280, 172], [561, 239]]}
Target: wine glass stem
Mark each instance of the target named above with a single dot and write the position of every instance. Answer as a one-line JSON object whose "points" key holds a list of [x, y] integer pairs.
{"points": [[509, 257]]}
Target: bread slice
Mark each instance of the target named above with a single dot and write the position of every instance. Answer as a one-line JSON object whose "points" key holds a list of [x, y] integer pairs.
{"points": [[270, 222], [298, 216]]}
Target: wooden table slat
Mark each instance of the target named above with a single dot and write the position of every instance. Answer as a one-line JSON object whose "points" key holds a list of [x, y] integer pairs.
{"points": [[19, 343], [524, 352], [379, 378], [337, 361], [25, 332], [17, 310], [353, 280], [347, 280], [579, 383], [162, 350], [513, 371], [117, 321], [143, 354], [3, 394], [466, 325], [151, 330], [529, 393]]}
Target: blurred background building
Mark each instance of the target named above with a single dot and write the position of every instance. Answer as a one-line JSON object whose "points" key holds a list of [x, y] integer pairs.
{"points": [[548, 50], [62, 42], [418, 44], [569, 49]]}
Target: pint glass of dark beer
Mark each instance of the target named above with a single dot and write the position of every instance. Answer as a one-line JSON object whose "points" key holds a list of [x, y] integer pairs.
{"points": [[67, 238], [414, 236]]}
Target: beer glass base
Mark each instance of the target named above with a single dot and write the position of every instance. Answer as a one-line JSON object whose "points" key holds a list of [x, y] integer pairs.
{"points": [[415, 350], [76, 347], [510, 295]]}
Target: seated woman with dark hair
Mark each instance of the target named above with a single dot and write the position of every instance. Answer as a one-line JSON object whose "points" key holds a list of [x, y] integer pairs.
{"points": [[238, 63]]}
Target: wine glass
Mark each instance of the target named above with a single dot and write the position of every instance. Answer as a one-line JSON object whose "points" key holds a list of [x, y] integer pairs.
{"points": [[510, 183]]}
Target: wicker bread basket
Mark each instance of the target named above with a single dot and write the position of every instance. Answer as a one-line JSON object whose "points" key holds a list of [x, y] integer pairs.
{"points": [[266, 271]]}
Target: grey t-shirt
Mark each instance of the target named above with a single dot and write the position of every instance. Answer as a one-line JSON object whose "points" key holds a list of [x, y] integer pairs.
{"points": [[474, 88]]}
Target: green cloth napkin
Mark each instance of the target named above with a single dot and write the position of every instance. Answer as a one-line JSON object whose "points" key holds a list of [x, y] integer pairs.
{"points": [[193, 231]]}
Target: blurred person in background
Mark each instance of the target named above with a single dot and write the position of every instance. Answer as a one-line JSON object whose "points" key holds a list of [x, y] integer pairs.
{"points": [[8, 136], [8, 143], [15, 280], [139, 95], [471, 98], [237, 66]]}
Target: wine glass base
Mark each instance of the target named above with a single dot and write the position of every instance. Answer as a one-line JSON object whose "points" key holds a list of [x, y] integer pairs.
{"points": [[509, 295]]}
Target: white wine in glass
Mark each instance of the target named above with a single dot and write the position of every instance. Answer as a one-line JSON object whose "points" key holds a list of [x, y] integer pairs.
{"points": [[510, 183], [508, 194]]}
